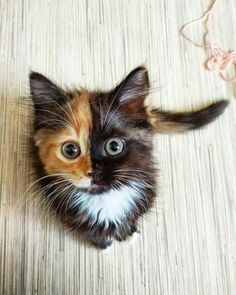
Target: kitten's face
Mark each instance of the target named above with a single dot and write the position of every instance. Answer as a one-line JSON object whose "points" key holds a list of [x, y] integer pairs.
{"points": [[102, 140], [96, 141]]}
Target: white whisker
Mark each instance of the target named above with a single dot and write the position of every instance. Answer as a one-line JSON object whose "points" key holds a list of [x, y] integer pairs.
{"points": [[44, 177]]}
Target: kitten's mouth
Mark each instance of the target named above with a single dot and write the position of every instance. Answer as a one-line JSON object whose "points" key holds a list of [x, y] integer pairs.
{"points": [[94, 188]]}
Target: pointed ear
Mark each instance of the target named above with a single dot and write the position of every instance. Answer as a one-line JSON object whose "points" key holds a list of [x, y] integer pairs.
{"points": [[171, 122], [48, 101], [133, 90], [44, 91]]}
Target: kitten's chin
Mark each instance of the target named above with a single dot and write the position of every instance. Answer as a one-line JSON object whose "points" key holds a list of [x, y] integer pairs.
{"points": [[96, 189]]}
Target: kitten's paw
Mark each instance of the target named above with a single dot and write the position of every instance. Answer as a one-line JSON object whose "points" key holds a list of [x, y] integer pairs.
{"points": [[107, 244], [135, 237], [103, 245], [133, 229], [131, 238], [128, 235], [107, 249]]}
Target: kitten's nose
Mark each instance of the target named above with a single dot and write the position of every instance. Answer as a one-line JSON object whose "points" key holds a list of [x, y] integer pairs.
{"points": [[90, 174], [94, 174]]}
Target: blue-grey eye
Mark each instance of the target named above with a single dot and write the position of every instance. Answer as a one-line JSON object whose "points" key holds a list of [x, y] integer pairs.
{"points": [[114, 146], [70, 150]]}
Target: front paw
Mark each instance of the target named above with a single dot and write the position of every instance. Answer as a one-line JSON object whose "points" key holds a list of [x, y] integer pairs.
{"points": [[126, 235], [104, 244], [133, 229]]}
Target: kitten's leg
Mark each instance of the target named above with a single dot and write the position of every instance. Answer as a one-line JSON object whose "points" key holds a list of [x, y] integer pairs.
{"points": [[133, 229], [123, 233]]}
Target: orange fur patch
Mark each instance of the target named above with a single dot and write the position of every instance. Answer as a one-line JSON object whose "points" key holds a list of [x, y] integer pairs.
{"points": [[164, 126], [50, 142]]}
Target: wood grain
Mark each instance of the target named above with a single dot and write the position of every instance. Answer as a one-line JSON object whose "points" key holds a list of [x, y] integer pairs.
{"points": [[187, 243]]}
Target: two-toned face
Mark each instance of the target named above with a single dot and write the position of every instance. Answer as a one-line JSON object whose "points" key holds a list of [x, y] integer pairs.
{"points": [[94, 140], [94, 152]]}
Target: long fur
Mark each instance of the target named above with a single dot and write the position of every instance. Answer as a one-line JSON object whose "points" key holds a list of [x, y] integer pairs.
{"points": [[170, 122], [125, 185]]}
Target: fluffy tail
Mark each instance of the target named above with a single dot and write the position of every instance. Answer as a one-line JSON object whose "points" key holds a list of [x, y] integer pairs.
{"points": [[170, 122]]}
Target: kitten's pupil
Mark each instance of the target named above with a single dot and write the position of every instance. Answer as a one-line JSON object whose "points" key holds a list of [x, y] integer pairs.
{"points": [[114, 146], [70, 150]]}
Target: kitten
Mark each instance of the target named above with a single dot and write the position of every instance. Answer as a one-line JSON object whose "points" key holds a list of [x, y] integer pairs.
{"points": [[94, 152]]}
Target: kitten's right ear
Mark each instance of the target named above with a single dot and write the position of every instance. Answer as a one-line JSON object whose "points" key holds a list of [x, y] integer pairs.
{"points": [[132, 91], [44, 91]]}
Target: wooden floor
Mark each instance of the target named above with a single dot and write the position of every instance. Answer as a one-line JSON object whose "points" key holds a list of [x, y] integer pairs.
{"points": [[188, 242]]}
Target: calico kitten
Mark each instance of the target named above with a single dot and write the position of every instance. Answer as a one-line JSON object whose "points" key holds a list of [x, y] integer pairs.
{"points": [[94, 152]]}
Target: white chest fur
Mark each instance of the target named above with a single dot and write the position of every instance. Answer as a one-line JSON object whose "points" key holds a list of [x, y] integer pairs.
{"points": [[111, 206]]}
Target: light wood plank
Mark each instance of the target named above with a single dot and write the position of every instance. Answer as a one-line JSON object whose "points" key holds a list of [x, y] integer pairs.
{"points": [[187, 245]]}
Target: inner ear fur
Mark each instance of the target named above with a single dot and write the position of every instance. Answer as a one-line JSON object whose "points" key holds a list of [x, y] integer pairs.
{"points": [[48, 99], [131, 92], [44, 91]]}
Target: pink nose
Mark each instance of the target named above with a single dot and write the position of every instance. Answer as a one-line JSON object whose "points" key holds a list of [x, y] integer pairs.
{"points": [[94, 175], [90, 174]]}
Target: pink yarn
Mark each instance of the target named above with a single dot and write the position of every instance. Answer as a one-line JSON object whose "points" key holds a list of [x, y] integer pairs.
{"points": [[221, 60]]}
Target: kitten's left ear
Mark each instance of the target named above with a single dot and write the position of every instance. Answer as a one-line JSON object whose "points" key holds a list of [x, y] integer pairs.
{"points": [[48, 101], [44, 91], [133, 90]]}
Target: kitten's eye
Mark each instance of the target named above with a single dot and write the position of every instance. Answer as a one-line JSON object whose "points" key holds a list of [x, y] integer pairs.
{"points": [[114, 146], [70, 150]]}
